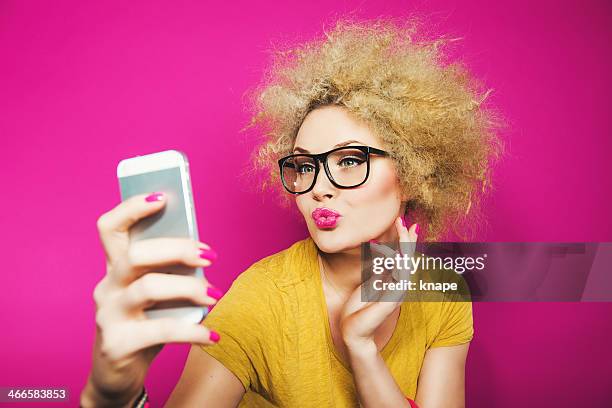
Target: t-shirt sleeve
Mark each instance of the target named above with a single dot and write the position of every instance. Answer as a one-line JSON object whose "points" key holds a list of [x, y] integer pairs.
{"points": [[239, 318], [455, 323]]}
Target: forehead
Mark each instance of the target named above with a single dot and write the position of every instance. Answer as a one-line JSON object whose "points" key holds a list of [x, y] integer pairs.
{"points": [[325, 127]]}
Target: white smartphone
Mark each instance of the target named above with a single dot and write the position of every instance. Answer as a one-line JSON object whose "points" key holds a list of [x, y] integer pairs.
{"points": [[166, 172]]}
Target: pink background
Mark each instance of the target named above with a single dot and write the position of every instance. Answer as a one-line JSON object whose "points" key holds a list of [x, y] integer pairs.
{"points": [[84, 85]]}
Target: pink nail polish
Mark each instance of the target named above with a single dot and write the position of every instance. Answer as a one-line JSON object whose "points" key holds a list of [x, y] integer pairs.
{"points": [[214, 293], [373, 241], [208, 254], [154, 197], [214, 336], [417, 229]]}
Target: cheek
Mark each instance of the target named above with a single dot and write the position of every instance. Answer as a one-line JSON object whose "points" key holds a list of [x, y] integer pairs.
{"points": [[378, 202], [381, 190], [299, 201]]}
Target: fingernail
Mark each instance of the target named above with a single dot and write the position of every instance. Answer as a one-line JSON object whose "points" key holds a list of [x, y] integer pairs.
{"points": [[214, 293], [403, 220], [214, 336], [208, 254], [417, 229], [373, 241], [209, 308], [154, 197]]}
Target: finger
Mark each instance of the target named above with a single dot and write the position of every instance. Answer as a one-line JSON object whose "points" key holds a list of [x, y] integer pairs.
{"points": [[157, 287], [389, 253], [383, 249], [154, 253], [405, 247], [407, 237], [146, 333], [113, 225], [413, 232], [405, 234]]}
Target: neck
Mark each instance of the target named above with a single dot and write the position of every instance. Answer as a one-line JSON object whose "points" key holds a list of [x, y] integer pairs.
{"points": [[343, 269]]}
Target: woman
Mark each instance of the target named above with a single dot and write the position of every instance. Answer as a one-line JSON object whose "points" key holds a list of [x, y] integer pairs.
{"points": [[368, 127]]}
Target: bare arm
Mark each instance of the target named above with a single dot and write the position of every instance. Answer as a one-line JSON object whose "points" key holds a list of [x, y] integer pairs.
{"points": [[205, 379], [441, 381], [374, 383], [442, 377]]}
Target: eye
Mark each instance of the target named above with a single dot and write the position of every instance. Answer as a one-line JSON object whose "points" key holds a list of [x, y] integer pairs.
{"points": [[350, 161], [305, 168]]}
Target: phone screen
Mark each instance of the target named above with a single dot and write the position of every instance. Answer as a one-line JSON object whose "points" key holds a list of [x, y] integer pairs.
{"points": [[172, 220], [176, 219]]}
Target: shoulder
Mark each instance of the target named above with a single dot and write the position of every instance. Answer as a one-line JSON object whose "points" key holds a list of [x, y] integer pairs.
{"points": [[446, 305], [256, 300], [259, 289], [282, 268], [449, 322], [251, 318]]}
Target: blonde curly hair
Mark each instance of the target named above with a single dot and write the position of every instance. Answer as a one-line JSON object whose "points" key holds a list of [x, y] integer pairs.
{"points": [[429, 115]]}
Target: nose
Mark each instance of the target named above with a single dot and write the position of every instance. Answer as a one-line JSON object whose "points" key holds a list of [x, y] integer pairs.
{"points": [[323, 187]]}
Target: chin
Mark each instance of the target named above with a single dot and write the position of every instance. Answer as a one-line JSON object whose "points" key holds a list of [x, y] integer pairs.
{"points": [[334, 240]]}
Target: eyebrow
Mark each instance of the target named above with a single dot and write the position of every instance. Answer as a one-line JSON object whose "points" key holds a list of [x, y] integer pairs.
{"points": [[299, 149]]}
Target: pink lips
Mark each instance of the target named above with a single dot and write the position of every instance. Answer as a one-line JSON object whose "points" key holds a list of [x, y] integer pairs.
{"points": [[325, 218]]}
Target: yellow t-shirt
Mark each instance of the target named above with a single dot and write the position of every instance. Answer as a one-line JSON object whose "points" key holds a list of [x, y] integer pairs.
{"points": [[275, 335]]}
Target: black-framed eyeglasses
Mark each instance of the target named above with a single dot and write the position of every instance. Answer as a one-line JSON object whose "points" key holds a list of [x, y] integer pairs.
{"points": [[346, 167]]}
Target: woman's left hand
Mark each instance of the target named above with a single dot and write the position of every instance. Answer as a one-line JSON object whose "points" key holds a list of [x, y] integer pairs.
{"points": [[359, 320]]}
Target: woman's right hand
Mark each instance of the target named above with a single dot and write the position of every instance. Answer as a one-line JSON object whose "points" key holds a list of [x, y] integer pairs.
{"points": [[126, 341]]}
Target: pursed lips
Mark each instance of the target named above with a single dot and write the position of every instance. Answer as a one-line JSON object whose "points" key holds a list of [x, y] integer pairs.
{"points": [[325, 217]]}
